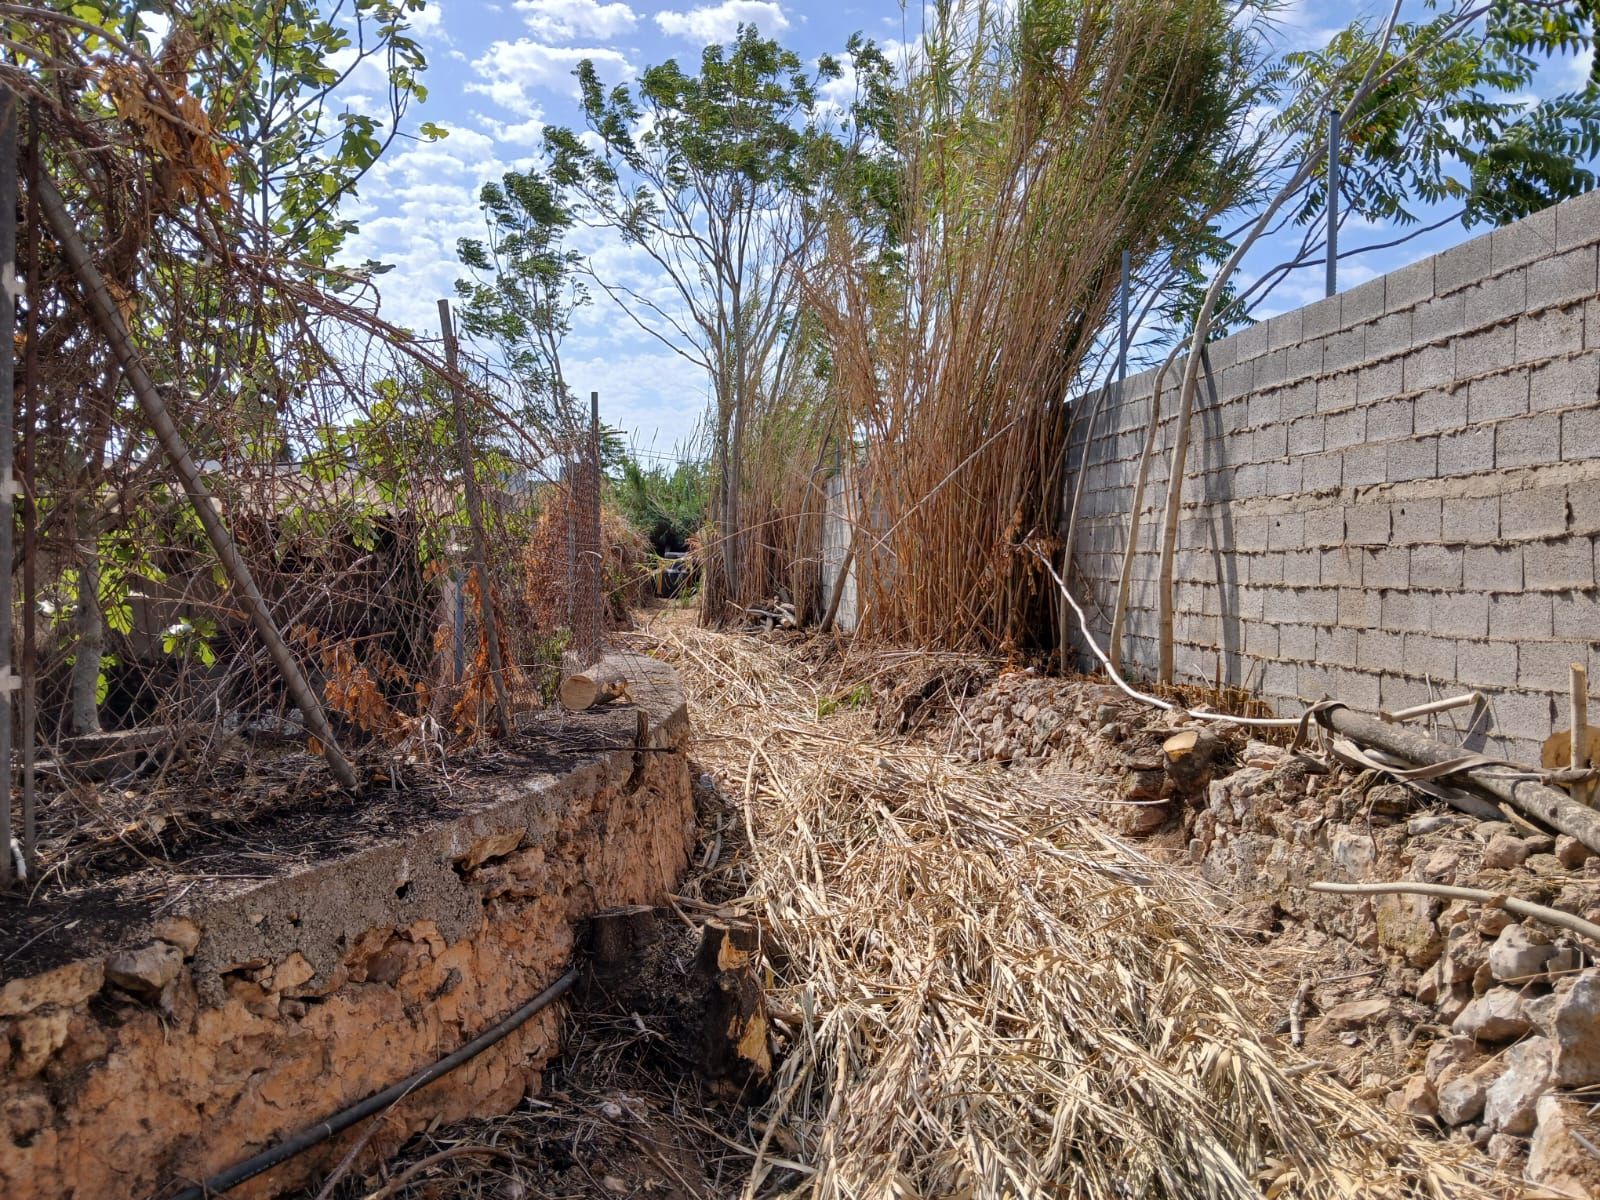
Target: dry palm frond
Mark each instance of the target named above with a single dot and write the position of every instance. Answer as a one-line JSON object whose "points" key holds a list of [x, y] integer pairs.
{"points": [[999, 998]]}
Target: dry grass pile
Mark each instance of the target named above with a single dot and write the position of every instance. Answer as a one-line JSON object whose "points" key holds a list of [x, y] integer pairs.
{"points": [[995, 996]]}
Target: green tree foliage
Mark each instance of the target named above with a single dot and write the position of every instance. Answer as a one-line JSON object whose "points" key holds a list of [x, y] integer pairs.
{"points": [[668, 507]]}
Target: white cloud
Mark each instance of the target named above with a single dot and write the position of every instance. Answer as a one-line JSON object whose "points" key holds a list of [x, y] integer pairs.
{"points": [[566, 19], [720, 22], [509, 70], [426, 21]]}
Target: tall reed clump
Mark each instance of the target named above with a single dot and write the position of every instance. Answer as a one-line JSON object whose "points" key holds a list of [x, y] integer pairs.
{"points": [[1032, 150]]}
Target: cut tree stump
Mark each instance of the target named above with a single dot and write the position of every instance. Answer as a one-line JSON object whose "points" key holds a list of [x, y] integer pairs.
{"points": [[581, 691], [1190, 758]]}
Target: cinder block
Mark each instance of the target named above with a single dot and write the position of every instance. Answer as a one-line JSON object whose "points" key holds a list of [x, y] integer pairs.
{"points": [[1261, 640], [1533, 513], [1524, 715], [1461, 614], [1362, 303], [1498, 298], [1522, 241], [1436, 567], [1438, 411], [1287, 531], [1568, 563], [1379, 650], [1283, 330], [1303, 606], [1578, 221], [1249, 602], [1460, 266], [1264, 570], [1518, 615], [1408, 286], [1365, 465], [1319, 318], [1494, 397], [1283, 478], [1341, 567], [1280, 680], [1414, 458], [1269, 442], [1388, 567], [1546, 666], [1493, 568], [1321, 473], [1472, 520], [1388, 419], [1250, 533], [1439, 318], [1398, 691], [1335, 645], [1417, 520], [1548, 334], [1249, 481], [1359, 608], [1562, 278], [1236, 380], [1487, 664], [1343, 351], [1367, 523], [1305, 358], [1565, 382], [1580, 436], [1468, 452], [1358, 689], [1434, 657], [1583, 511], [1336, 393], [1429, 367], [1485, 350], [1346, 428], [1323, 526], [1302, 568], [1380, 381], [1298, 642], [1576, 614], [1405, 610], [1305, 435], [1527, 441], [1271, 369], [1388, 335]]}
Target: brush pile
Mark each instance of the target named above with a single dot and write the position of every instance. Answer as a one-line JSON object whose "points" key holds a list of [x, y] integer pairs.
{"points": [[992, 997]]}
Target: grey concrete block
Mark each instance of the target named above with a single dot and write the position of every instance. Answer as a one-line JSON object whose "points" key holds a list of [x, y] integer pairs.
{"points": [[1405, 610], [1436, 567], [1249, 481], [1388, 567], [1380, 381], [1565, 382], [1485, 350], [1298, 642], [1335, 645], [1305, 436], [1429, 367], [1568, 563], [1269, 442], [1321, 473], [1576, 614], [1359, 607], [1248, 602], [1305, 359], [1284, 330], [1434, 657], [1493, 397], [1400, 691], [1362, 303], [1550, 333], [1562, 278], [1439, 318], [1345, 428], [1367, 523], [1467, 452], [1286, 531], [1365, 465], [1236, 380], [1358, 689], [1471, 520], [1498, 298], [1250, 533], [1524, 715], [1261, 408], [1343, 351], [1297, 400], [1319, 318], [1578, 221], [1335, 393], [1271, 369], [1419, 519], [1461, 266], [1302, 606], [1547, 666], [1341, 567], [1281, 680], [1438, 411], [1527, 441], [1323, 526], [1284, 478], [1251, 342], [1533, 513], [1264, 570], [1522, 241], [1414, 458], [1302, 568], [1261, 640], [1493, 568], [1408, 286], [1388, 419], [1583, 510], [1517, 615], [1388, 335], [1379, 650], [1580, 436], [1461, 614], [1486, 664]]}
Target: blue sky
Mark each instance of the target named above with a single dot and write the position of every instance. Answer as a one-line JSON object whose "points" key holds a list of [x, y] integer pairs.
{"points": [[500, 70]]}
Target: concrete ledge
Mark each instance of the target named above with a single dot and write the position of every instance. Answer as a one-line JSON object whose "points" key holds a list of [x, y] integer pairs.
{"points": [[201, 1033]]}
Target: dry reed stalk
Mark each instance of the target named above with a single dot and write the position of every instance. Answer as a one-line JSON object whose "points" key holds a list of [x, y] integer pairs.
{"points": [[1000, 998]]}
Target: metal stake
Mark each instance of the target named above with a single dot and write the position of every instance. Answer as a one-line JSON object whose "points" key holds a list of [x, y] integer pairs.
{"points": [[1332, 284]]}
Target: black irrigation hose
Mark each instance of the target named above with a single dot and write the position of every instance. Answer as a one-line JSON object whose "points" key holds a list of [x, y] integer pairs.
{"points": [[251, 1167]]}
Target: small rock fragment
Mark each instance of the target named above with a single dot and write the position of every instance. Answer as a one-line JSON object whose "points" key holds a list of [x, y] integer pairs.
{"points": [[1504, 852], [1571, 853], [1496, 1016], [146, 969], [1519, 954], [1353, 1013], [1575, 1031], [1461, 1099], [180, 931], [1415, 1098], [1514, 1097], [1449, 1052], [1556, 1159]]}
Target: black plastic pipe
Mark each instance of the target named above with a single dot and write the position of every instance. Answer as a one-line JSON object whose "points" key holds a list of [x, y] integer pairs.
{"points": [[299, 1143]]}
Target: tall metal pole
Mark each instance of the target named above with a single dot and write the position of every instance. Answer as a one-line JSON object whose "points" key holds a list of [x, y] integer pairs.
{"points": [[109, 320], [9, 291], [480, 541], [1332, 283], [1122, 339]]}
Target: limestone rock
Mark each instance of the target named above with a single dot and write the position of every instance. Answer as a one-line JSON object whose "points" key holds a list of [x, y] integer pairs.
{"points": [[1575, 1031], [1493, 920], [65, 986], [1556, 1159], [1505, 852], [1462, 1097], [38, 1038], [1495, 1016], [1405, 924], [146, 969], [1354, 1013], [1455, 1051], [1519, 954], [1415, 1098], [1513, 1098]]}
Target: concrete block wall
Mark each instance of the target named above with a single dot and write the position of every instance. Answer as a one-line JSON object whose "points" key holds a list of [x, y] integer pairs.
{"points": [[1394, 493]]}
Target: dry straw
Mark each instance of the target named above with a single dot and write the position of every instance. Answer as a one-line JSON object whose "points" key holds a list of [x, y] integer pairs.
{"points": [[997, 997]]}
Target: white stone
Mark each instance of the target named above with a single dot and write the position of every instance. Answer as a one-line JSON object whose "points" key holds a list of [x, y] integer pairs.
{"points": [[1495, 1016], [1556, 1159], [1518, 954], [1513, 1098], [1575, 1031]]}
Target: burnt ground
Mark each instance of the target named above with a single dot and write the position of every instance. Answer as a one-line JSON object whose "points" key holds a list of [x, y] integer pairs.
{"points": [[115, 855]]}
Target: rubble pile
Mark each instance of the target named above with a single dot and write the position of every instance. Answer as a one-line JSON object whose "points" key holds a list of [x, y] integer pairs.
{"points": [[1478, 1024]]}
